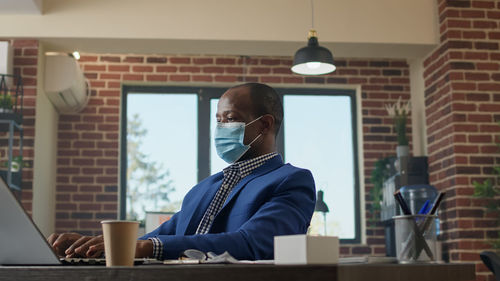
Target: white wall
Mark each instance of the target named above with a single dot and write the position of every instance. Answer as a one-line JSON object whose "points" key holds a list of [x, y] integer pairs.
{"points": [[44, 164], [278, 27]]}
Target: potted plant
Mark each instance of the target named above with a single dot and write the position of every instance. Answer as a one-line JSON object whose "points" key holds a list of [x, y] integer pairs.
{"points": [[6, 103], [399, 112], [490, 191], [17, 163]]}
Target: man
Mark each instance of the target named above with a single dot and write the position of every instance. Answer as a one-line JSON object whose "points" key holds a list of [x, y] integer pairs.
{"points": [[239, 210]]}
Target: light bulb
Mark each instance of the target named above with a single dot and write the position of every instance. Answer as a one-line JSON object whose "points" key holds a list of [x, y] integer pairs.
{"points": [[76, 55], [313, 65]]}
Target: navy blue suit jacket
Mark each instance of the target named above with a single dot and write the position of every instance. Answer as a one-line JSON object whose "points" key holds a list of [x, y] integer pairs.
{"points": [[275, 199]]}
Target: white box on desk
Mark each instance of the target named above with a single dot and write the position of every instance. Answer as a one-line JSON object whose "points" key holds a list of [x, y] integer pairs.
{"points": [[305, 249]]}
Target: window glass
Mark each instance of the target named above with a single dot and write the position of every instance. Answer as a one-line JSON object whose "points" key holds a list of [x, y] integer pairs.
{"points": [[216, 163], [162, 151], [318, 136]]}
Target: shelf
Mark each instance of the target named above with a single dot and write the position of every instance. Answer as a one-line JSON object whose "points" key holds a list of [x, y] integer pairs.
{"points": [[16, 179], [11, 116]]}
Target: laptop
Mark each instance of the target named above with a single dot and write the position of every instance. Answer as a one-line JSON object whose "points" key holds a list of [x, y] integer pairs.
{"points": [[22, 243]]}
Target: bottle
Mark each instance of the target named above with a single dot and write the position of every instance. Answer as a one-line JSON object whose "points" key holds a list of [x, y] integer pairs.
{"points": [[416, 196]]}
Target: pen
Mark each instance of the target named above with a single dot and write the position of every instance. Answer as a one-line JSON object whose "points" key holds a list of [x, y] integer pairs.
{"points": [[402, 203], [425, 208]]}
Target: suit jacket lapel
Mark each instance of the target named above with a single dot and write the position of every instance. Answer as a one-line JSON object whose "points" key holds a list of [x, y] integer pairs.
{"points": [[198, 208], [268, 166]]}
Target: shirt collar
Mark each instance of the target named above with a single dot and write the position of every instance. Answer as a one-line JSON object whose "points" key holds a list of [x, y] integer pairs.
{"points": [[245, 167]]}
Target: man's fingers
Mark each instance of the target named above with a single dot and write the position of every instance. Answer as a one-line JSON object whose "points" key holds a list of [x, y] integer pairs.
{"points": [[82, 250], [95, 251], [52, 238], [77, 244]]}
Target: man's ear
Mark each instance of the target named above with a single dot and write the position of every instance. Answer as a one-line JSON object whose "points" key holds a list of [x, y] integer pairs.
{"points": [[267, 122]]}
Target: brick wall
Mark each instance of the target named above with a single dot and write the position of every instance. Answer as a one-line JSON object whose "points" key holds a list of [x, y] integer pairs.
{"points": [[87, 174], [25, 64], [462, 105]]}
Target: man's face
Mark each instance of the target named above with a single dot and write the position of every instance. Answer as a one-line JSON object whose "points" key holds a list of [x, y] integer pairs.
{"points": [[235, 105]]}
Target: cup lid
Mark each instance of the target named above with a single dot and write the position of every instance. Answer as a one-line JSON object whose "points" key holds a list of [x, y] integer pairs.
{"points": [[118, 221]]}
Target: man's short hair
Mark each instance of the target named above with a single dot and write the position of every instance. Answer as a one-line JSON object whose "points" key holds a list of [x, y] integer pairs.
{"points": [[265, 101]]}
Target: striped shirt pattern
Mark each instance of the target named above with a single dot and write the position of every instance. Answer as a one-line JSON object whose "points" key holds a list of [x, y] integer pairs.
{"points": [[232, 176]]}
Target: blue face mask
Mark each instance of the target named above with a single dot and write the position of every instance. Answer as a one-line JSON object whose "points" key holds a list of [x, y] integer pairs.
{"points": [[229, 140]]}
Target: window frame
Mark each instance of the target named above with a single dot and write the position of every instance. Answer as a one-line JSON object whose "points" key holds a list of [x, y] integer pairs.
{"points": [[205, 94]]}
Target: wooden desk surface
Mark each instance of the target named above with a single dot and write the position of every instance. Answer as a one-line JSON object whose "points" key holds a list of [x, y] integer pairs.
{"points": [[221, 272]]}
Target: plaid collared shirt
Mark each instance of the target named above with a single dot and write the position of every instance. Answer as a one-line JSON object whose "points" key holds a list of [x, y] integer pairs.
{"points": [[232, 176]]}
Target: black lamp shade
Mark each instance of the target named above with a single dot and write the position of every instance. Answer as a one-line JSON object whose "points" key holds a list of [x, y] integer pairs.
{"points": [[313, 59], [320, 203]]}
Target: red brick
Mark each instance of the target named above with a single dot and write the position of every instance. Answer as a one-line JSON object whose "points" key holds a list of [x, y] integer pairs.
{"points": [[487, 66], [179, 78], [489, 86], [476, 56], [454, 23], [25, 61], [479, 118], [141, 68], [119, 68], [298, 80], [234, 70], [83, 197], [153, 77], [270, 79], [260, 70], [97, 84], [110, 58], [112, 84], [220, 78], [166, 69], [213, 69], [134, 59], [156, 60], [76, 179], [472, 14], [92, 171], [225, 61], [192, 69], [83, 162], [29, 71], [93, 119], [479, 138], [493, 15], [133, 77], [86, 58], [203, 60], [474, 35], [107, 127], [482, 24], [270, 61], [180, 60], [483, 4]]}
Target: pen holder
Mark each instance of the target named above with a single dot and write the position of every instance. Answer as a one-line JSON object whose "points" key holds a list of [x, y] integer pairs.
{"points": [[416, 238]]}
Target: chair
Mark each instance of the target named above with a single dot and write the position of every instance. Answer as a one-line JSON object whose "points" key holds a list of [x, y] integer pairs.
{"points": [[492, 261]]}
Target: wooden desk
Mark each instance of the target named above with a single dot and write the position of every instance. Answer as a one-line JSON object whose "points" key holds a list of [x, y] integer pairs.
{"points": [[219, 272]]}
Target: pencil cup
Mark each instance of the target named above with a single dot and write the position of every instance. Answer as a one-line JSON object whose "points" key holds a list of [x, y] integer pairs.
{"points": [[120, 238], [416, 238]]}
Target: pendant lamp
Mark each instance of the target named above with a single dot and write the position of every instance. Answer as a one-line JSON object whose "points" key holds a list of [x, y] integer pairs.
{"points": [[313, 59]]}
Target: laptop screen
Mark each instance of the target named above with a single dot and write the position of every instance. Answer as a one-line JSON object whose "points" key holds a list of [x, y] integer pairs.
{"points": [[21, 243]]}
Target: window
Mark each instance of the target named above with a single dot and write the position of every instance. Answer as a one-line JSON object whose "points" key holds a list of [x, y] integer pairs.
{"points": [[171, 128]]}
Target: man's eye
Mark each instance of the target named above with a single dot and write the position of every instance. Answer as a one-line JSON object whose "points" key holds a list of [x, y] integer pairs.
{"points": [[230, 119]]}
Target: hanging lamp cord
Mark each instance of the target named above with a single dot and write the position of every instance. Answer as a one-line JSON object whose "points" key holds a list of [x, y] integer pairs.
{"points": [[312, 14]]}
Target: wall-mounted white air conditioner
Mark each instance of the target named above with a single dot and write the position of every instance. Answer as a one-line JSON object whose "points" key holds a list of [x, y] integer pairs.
{"points": [[65, 84], [6, 60]]}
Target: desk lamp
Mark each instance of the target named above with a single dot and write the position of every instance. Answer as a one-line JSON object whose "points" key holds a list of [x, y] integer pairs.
{"points": [[321, 207]]}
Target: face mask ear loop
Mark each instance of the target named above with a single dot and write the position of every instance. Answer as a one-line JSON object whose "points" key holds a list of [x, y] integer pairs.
{"points": [[253, 121], [250, 144]]}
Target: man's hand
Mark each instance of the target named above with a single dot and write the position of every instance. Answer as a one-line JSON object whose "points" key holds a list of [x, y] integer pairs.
{"points": [[71, 245], [144, 249]]}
